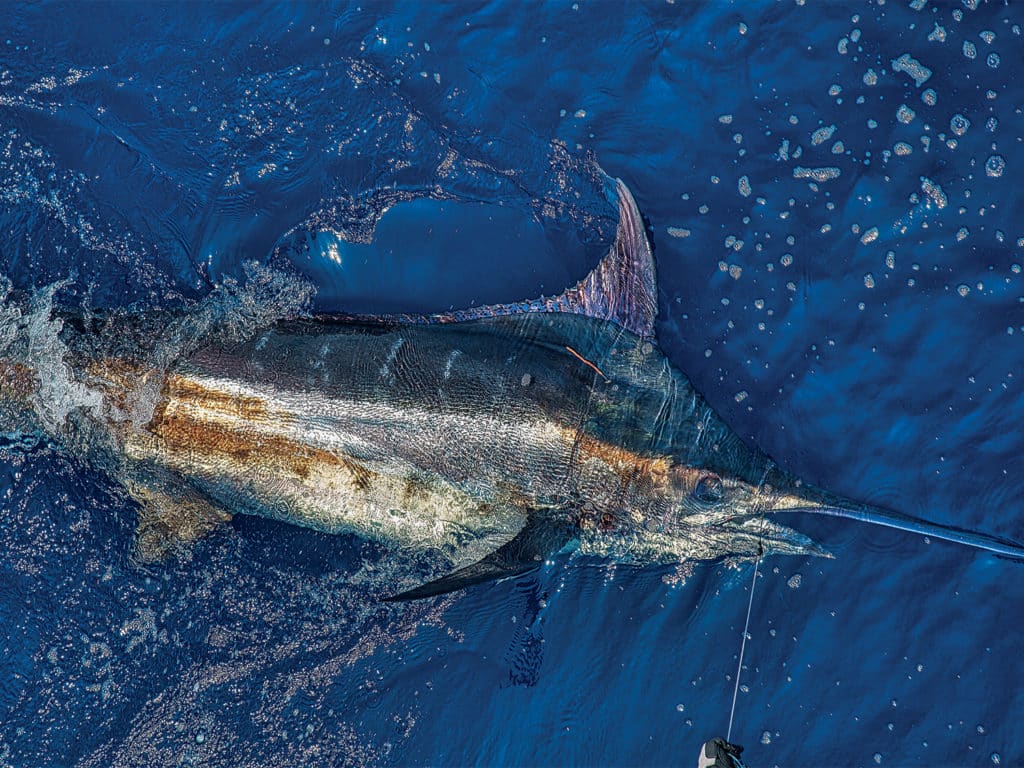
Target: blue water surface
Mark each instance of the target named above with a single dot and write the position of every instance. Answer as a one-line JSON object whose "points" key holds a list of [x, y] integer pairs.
{"points": [[832, 191]]}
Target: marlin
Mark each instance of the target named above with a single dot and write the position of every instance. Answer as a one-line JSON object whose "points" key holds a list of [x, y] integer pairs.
{"points": [[491, 438]]}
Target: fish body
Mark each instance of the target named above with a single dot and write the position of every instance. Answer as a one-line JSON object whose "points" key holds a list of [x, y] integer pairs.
{"points": [[424, 435], [492, 437]]}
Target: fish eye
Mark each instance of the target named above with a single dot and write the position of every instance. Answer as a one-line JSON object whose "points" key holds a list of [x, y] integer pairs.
{"points": [[709, 488]]}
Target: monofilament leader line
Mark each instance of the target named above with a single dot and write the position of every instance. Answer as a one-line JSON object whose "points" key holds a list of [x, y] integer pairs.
{"points": [[743, 644], [750, 605]]}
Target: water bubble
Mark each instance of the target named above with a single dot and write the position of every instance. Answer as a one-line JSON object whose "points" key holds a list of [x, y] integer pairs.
{"points": [[911, 66], [995, 166], [680, 708], [822, 134], [877, 757], [959, 124]]}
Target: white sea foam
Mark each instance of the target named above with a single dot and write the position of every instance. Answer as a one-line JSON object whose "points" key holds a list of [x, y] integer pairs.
{"points": [[35, 343]]}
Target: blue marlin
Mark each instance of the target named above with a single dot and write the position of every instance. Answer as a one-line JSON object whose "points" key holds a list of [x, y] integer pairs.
{"points": [[493, 438]]}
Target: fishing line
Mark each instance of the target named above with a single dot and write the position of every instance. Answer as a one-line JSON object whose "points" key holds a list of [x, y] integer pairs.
{"points": [[743, 645], [750, 605]]}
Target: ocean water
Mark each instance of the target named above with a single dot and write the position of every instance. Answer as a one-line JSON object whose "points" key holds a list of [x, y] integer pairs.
{"points": [[832, 195]]}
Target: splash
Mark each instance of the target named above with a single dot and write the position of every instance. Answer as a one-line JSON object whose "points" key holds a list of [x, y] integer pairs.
{"points": [[38, 391], [57, 375]]}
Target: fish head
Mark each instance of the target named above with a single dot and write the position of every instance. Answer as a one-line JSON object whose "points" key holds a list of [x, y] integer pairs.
{"points": [[706, 494], [710, 494], [706, 514]]}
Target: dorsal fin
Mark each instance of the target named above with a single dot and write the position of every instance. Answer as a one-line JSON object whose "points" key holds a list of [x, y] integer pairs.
{"points": [[621, 288]]}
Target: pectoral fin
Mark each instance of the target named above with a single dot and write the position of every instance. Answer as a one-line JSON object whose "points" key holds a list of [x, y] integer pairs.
{"points": [[540, 537], [171, 512]]}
